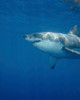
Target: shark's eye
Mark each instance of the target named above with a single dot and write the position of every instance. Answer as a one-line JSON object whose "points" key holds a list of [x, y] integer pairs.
{"points": [[37, 35]]}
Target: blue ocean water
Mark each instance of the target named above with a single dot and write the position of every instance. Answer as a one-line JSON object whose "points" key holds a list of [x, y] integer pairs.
{"points": [[24, 70]]}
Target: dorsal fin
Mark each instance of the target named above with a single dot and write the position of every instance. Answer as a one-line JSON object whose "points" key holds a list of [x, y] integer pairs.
{"points": [[74, 30]]}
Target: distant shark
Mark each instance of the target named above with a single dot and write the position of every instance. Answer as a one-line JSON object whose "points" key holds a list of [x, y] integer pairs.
{"points": [[74, 5], [57, 45], [73, 1]]}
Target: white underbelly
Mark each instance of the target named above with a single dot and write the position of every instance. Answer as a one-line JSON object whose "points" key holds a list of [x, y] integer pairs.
{"points": [[53, 48]]}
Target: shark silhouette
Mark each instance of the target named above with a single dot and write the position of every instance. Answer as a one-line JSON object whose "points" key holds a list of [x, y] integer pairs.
{"points": [[57, 45]]}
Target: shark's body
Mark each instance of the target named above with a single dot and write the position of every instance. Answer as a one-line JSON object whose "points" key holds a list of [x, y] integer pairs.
{"points": [[57, 45]]}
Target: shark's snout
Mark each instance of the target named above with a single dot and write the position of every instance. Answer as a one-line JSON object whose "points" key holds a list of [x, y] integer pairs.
{"points": [[34, 38], [29, 37]]}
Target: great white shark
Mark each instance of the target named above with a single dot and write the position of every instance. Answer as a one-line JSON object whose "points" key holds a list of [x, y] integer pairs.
{"points": [[57, 45]]}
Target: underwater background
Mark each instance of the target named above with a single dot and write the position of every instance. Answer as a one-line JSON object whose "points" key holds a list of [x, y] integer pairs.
{"points": [[25, 73]]}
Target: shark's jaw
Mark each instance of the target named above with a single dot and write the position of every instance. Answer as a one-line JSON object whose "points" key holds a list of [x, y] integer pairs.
{"points": [[36, 41]]}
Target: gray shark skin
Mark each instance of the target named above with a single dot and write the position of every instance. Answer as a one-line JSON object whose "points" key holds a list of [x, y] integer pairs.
{"points": [[57, 45]]}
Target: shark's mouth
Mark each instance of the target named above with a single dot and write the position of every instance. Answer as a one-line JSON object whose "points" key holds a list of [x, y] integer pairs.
{"points": [[36, 41]]}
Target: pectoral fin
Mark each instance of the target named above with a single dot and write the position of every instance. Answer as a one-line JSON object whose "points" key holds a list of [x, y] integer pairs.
{"points": [[74, 51], [52, 61]]}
